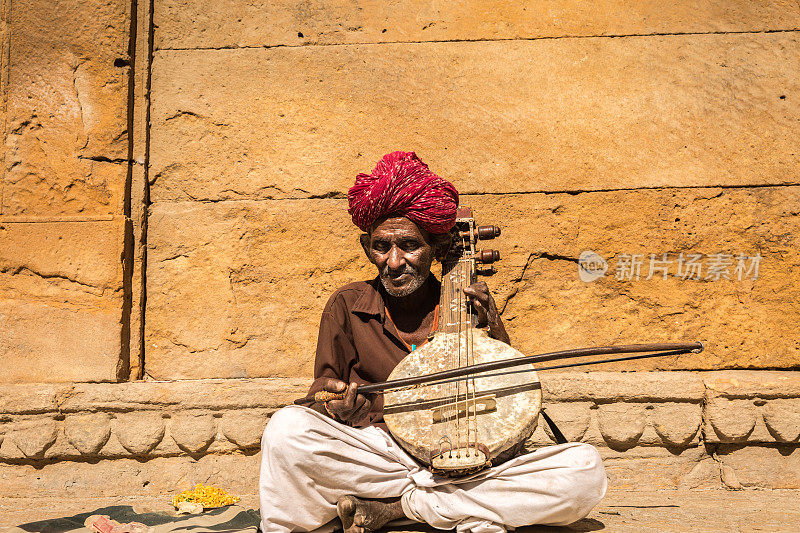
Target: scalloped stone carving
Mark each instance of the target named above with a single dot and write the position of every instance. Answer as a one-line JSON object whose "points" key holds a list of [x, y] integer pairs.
{"points": [[782, 417], [622, 424], [732, 420], [572, 418], [34, 437], [244, 429], [193, 432], [140, 432], [89, 432], [676, 423]]}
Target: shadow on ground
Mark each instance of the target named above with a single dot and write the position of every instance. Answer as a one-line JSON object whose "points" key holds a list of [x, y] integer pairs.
{"points": [[231, 519], [586, 524], [222, 520]]}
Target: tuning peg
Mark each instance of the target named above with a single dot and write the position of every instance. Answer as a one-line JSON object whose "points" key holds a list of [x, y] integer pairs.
{"points": [[488, 232], [487, 256]]}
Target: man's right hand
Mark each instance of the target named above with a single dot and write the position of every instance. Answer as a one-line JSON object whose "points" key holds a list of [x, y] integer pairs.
{"points": [[353, 408]]}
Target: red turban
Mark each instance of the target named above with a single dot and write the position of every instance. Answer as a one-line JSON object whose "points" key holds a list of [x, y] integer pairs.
{"points": [[402, 184]]}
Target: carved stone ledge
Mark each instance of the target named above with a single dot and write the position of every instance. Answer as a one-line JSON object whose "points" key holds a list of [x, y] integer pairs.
{"points": [[604, 387], [624, 425], [616, 411], [141, 419], [769, 466], [752, 407]]}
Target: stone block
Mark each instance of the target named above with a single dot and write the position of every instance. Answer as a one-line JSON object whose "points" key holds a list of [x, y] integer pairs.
{"points": [[235, 289], [49, 342], [646, 441], [259, 283], [604, 387], [160, 476], [255, 23], [59, 252], [214, 395], [144, 419], [66, 134], [634, 112], [773, 467], [62, 300], [744, 323], [29, 398], [657, 468], [743, 384]]}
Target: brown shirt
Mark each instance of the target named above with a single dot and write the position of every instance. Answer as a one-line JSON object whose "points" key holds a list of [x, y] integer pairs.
{"points": [[358, 342]]}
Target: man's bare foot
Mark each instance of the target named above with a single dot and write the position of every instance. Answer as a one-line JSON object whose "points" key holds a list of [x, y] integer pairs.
{"points": [[359, 515]]}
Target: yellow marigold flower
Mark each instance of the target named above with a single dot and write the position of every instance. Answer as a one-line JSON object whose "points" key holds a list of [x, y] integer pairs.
{"points": [[207, 496]]}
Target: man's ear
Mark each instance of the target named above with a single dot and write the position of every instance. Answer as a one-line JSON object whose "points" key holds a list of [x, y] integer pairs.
{"points": [[364, 239]]}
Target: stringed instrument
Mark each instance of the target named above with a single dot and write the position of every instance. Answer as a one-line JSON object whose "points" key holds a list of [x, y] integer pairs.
{"points": [[447, 403], [464, 426]]}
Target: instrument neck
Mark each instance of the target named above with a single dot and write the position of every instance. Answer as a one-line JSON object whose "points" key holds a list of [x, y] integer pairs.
{"points": [[455, 311]]}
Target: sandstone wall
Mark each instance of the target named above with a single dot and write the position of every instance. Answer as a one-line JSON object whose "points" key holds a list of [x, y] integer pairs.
{"points": [[65, 191], [663, 132], [653, 129], [172, 206]]}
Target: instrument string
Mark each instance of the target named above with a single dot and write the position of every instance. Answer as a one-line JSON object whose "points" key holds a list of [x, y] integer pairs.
{"points": [[461, 330], [461, 427], [451, 348], [456, 348], [464, 280], [472, 362], [456, 353]]}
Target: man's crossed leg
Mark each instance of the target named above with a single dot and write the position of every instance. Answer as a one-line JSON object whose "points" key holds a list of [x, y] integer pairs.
{"points": [[311, 462]]}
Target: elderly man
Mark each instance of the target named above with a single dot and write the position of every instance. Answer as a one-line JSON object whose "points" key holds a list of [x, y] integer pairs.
{"points": [[337, 458]]}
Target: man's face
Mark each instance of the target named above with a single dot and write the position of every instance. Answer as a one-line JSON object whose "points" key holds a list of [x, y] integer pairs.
{"points": [[402, 252]]}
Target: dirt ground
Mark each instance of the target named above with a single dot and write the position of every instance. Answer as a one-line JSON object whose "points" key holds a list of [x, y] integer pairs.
{"points": [[620, 511]]}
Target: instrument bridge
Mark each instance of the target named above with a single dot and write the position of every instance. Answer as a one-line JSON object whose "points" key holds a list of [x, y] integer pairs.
{"points": [[485, 403]]}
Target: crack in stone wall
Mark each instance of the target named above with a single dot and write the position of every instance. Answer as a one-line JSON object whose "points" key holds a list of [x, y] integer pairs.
{"points": [[477, 40]]}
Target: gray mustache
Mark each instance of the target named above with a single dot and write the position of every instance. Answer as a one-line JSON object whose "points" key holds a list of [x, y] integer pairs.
{"points": [[408, 269]]}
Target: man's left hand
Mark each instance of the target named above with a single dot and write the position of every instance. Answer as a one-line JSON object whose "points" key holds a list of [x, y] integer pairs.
{"points": [[486, 310]]}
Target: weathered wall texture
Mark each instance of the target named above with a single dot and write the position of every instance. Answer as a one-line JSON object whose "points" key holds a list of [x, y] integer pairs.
{"points": [[633, 112], [622, 128], [649, 129], [62, 212]]}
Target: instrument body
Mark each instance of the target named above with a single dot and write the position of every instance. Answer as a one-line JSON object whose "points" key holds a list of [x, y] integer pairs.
{"points": [[499, 426], [459, 428]]}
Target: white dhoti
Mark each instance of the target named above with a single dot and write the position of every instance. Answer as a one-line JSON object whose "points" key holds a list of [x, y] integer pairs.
{"points": [[309, 461]]}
